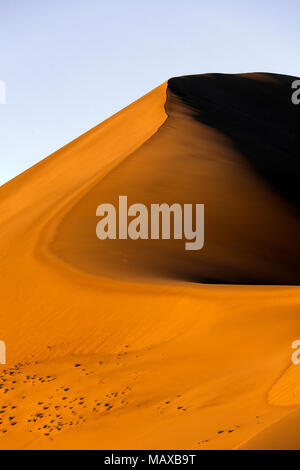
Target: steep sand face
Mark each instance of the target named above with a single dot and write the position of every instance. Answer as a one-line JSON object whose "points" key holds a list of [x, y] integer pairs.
{"points": [[106, 363], [251, 233]]}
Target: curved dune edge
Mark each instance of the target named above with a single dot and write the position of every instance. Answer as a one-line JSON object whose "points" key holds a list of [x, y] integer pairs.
{"points": [[181, 365], [286, 391], [283, 435], [90, 156], [247, 223]]}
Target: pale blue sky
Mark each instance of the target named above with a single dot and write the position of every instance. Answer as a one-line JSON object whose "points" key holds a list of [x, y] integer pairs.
{"points": [[70, 64]]}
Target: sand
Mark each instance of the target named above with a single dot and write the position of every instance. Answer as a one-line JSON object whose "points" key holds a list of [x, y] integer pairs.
{"points": [[134, 345]]}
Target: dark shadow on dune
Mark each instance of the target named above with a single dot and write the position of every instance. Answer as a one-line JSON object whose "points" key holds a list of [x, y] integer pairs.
{"points": [[257, 113], [251, 233]]}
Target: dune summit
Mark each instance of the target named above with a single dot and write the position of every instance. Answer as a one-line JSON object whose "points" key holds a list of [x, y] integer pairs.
{"points": [[105, 336]]}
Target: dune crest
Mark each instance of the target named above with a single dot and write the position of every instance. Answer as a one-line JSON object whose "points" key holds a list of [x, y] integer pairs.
{"points": [[251, 232]]}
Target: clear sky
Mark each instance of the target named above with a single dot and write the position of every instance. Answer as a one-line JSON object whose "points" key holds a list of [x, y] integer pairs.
{"points": [[70, 64]]}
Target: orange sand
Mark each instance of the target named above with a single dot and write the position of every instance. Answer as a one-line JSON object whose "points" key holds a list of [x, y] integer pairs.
{"points": [[150, 362]]}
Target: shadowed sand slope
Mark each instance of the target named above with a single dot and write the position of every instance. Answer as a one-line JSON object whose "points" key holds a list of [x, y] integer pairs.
{"points": [[113, 344], [251, 229], [256, 112]]}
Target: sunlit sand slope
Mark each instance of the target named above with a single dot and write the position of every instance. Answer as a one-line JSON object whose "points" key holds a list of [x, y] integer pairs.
{"points": [[283, 435], [116, 344]]}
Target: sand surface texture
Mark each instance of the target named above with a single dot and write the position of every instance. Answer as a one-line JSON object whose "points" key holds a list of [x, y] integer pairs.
{"points": [[123, 344]]}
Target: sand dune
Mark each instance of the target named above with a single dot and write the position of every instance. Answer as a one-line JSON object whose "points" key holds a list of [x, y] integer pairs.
{"points": [[126, 344]]}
